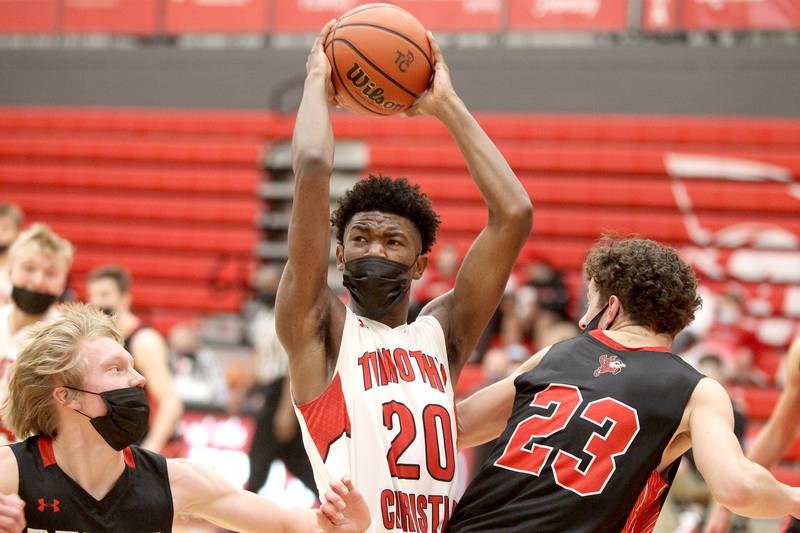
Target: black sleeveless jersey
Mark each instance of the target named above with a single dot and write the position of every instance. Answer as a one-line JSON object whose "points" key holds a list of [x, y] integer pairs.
{"points": [[128, 340], [139, 502], [581, 449]]}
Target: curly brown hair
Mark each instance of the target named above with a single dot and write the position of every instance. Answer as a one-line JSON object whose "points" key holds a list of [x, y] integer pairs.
{"points": [[657, 288], [396, 196]]}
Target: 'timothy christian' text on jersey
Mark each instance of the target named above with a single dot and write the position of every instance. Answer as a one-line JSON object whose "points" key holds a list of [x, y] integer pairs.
{"points": [[139, 502], [581, 449], [387, 420]]}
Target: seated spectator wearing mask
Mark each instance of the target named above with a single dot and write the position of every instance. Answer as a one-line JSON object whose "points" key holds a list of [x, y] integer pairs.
{"points": [[38, 264]]}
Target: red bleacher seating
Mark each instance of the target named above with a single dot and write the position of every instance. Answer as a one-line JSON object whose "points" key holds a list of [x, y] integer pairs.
{"points": [[100, 148], [120, 177], [173, 207], [648, 191], [170, 195]]}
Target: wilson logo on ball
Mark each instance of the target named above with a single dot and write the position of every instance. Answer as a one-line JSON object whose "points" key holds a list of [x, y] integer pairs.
{"points": [[370, 89]]}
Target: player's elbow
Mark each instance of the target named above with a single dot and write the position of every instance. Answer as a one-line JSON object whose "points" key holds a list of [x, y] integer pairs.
{"points": [[312, 162], [517, 217], [737, 494]]}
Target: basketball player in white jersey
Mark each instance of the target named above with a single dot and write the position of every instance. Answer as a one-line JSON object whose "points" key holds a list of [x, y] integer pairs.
{"points": [[374, 394]]}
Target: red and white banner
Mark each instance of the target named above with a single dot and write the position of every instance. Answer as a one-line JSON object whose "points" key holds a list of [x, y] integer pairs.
{"points": [[28, 16], [306, 16], [456, 15], [217, 16], [740, 14], [137, 17], [581, 15], [660, 15]]}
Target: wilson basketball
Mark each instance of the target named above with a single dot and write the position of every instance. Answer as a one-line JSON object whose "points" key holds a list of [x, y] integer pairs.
{"points": [[380, 59]]}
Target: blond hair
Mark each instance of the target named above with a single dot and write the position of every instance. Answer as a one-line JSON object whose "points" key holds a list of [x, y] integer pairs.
{"points": [[51, 358], [46, 239], [12, 211]]}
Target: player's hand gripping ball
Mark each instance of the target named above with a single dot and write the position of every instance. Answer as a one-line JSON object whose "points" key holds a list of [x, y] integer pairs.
{"points": [[381, 59]]}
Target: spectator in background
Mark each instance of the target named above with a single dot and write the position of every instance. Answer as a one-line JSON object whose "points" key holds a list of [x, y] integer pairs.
{"points": [[198, 376], [439, 277], [537, 314], [38, 264], [277, 434], [109, 288], [10, 223], [732, 341]]}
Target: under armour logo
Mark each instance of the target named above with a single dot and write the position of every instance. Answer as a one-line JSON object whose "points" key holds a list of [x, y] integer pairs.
{"points": [[404, 60], [52, 506]]}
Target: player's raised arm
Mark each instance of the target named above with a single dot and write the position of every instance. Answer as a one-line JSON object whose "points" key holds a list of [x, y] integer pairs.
{"points": [[737, 483], [304, 300], [484, 414], [776, 437], [201, 492], [484, 273]]}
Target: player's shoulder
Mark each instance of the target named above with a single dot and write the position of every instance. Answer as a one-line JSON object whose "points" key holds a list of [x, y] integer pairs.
{"points": [[9, 471], [680, 363], [193, 474], [192, 483], [145, 334], [149, 457], [709, 393]]}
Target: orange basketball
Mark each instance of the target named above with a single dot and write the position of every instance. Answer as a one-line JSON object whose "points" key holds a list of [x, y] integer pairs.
{"points": [[380, 59]]}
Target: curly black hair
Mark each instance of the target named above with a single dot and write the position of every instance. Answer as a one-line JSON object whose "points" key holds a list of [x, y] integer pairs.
{"points": [[657, 288], [395, 196]]}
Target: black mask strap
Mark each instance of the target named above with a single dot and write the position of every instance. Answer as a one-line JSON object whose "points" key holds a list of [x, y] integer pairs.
{"points": [[594, 323], [81, 390]]}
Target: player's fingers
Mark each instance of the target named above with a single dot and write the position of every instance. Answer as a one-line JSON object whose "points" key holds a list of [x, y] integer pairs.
{"points": [[340, 488], [324, 33], [438, 56], [348, 483], [334, 499], [331, 513], [15, 499], [11, 519]]}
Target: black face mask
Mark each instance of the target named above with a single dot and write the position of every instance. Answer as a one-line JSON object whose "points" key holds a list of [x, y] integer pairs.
{"points": [[32, 302], [127, 419], [595, 322], [376, 284]]}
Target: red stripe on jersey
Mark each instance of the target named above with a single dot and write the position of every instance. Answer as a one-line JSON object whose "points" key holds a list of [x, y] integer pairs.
{"points": [[46, 451], [326, 417], [608, 341], [7, 433], [648, 506], [129, 460]]}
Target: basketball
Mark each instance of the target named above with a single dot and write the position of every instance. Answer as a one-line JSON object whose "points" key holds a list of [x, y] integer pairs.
{"points": [[380, 59]]}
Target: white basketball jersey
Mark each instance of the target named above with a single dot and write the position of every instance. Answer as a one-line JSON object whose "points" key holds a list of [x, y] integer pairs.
{"points": [[388, 421]]}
